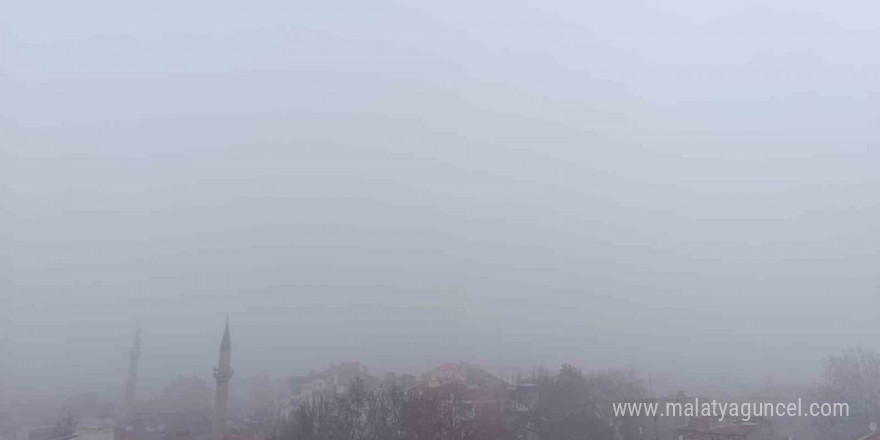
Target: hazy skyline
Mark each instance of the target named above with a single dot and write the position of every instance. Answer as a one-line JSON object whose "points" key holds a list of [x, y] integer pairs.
{"points": [[686, 188]]}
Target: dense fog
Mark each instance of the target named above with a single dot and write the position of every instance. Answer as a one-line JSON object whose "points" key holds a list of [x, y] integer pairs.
{"points": [[682, 188]]}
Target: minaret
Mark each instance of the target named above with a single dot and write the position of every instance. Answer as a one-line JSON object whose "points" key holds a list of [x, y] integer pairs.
{"points": [[222, 374], [131, 384]]}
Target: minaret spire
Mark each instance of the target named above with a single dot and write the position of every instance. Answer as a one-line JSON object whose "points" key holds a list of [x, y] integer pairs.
{"points": [[226, 345], [131, 382], [222, 374]]}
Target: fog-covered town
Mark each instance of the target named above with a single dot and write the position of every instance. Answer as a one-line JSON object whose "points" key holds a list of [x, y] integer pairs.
{"points": [[449, 220], [456, 401]]}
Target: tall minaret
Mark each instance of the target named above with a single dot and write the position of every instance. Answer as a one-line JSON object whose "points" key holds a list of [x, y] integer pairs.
{"points": [[222, 374], [131, 384]]}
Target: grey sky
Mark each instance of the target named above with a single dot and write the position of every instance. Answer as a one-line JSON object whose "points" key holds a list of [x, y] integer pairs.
{"points": [[684, 187]]}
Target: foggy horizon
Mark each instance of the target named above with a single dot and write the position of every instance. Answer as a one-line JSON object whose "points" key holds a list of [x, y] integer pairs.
{"points": [[685, 189]]}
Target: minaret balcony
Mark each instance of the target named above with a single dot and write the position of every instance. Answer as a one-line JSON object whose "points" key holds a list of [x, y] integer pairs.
{"points": [[222, 376]]}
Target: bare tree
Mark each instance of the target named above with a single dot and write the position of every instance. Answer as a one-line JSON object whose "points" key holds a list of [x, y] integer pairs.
{"points": [[571, 405], [382, 414], [853, 377]]}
